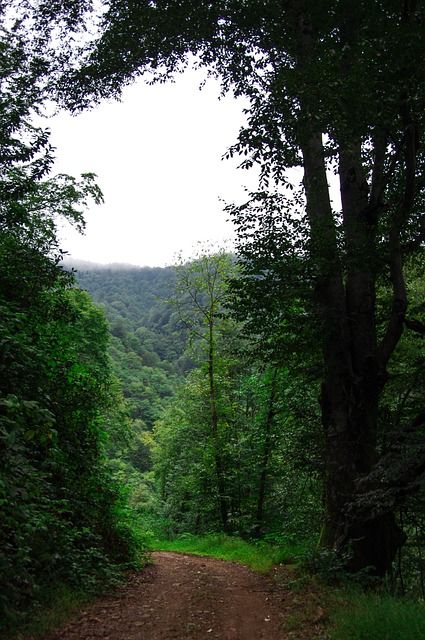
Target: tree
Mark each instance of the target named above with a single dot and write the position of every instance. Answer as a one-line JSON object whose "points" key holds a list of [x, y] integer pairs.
{"points": [[331, 86], [348, 256], [267, 460], [199, 296], [224, 447]]}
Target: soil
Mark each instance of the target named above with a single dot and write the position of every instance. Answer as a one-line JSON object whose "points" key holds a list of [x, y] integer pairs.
{"points": [[185, 597]]}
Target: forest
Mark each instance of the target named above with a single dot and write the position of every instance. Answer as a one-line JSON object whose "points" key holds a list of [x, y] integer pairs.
{"points": [[240, 463], [273, 393]]}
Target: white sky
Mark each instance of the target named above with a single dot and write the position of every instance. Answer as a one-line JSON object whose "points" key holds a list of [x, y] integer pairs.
{"points": [[157, 155]]}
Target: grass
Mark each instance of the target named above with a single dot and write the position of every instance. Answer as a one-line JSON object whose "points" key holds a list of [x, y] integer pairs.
{"points": [[261, 557], [374, 617]]}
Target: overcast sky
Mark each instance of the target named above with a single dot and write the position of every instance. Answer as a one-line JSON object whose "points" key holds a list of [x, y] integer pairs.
{"points": [[157, 156]]}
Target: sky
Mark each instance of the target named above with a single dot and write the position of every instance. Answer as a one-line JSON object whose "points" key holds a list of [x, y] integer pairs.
{"points": [[157, 156]]}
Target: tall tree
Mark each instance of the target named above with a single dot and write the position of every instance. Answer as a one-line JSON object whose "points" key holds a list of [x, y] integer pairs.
{"points": [[199, 295], [331, 85]]}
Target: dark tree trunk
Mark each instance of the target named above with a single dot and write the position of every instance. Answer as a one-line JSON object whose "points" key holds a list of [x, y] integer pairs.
{"points": [[353, 373], [352, 378], [266, 456], [221, 485]]}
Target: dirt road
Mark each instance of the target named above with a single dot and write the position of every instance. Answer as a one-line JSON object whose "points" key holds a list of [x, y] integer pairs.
{"points": [[184, 597]]}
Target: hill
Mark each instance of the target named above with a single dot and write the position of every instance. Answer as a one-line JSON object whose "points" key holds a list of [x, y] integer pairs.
{"points": [[147, 338]]}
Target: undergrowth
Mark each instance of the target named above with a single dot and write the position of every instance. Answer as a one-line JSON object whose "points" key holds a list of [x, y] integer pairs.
{"points": [[58, 605], [378, 617]]}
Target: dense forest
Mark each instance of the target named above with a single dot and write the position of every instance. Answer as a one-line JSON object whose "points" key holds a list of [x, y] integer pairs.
{"points": [[256, 468], [148, 356], [237, 471], [273, 393]]}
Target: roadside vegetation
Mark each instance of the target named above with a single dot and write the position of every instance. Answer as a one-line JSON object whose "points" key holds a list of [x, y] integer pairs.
{"points": [[259, 556]]}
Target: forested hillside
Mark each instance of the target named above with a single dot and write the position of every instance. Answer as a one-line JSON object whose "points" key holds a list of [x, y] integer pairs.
{"points": [[147, 349], [148, 338]]}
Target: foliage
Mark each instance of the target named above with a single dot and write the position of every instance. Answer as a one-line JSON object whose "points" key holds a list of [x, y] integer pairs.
{"points": [[63, 518], [227, 449], [147, 356], [58, 604], [286, 462], [199, 296]]}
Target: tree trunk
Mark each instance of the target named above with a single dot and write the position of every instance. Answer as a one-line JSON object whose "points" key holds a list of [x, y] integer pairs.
{"points": [[353, 376], [266, 456], [352, 380], [214, 425]]}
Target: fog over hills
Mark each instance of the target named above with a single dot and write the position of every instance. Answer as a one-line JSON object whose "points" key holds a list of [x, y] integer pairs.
{"points": [[86, 265]]}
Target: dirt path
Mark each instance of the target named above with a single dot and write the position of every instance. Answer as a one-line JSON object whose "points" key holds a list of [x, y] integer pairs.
{"points": [[184, 597]]}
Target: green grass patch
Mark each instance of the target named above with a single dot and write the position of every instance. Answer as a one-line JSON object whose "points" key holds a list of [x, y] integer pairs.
{"points": [[259, 556], [373, 617]]}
